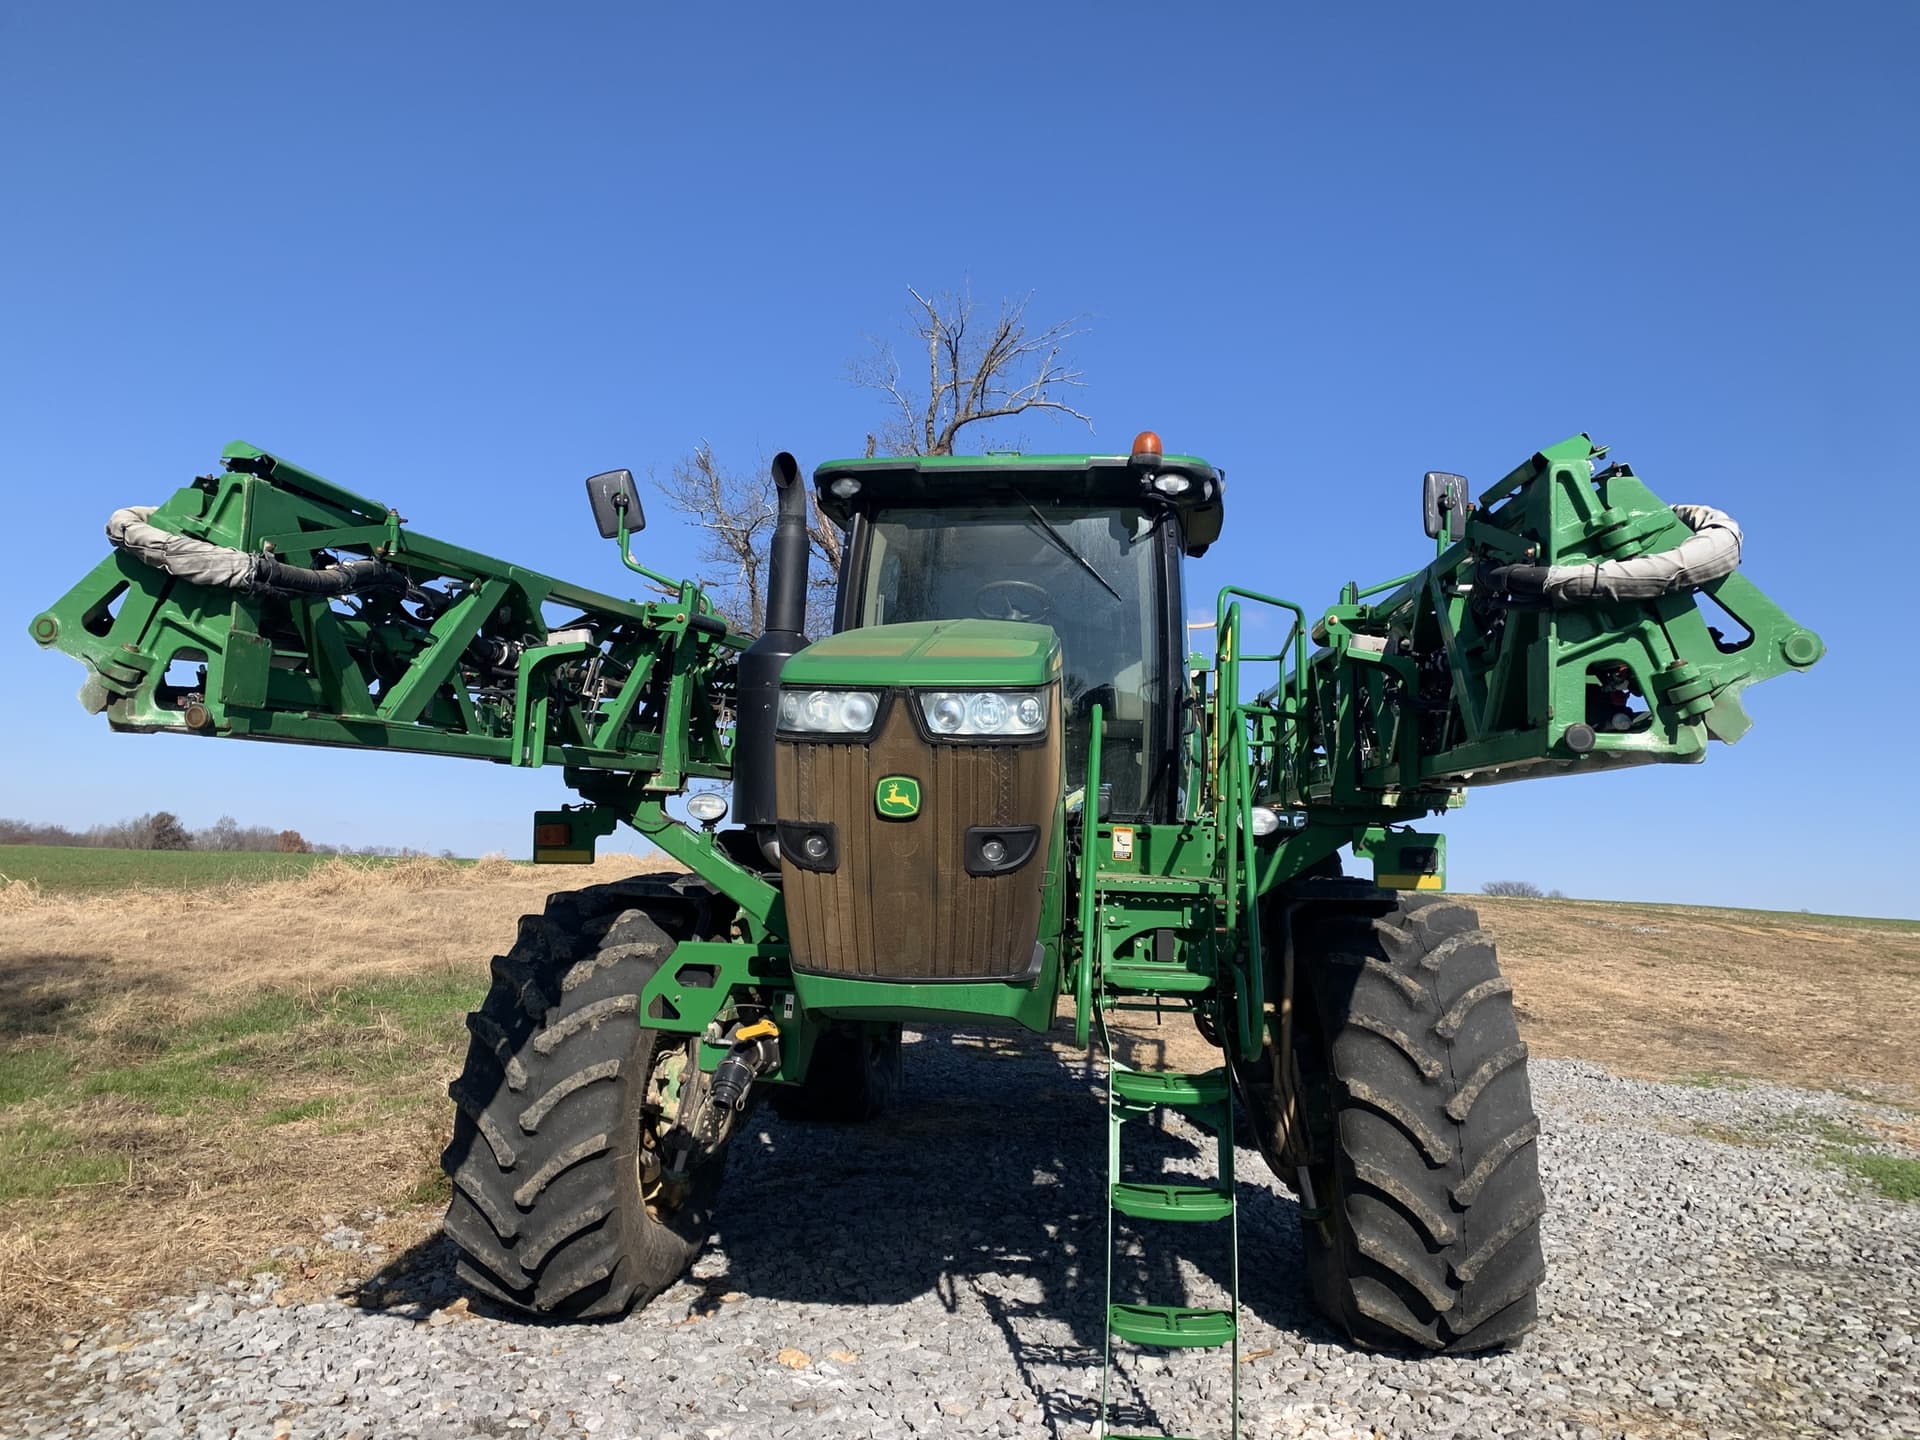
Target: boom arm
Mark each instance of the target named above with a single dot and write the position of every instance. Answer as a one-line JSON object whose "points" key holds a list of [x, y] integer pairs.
{"points": [[269, 604], [1522, 650]]}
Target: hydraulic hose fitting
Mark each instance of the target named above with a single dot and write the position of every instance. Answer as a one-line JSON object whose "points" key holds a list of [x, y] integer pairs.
{"points": [[755, 1051]]}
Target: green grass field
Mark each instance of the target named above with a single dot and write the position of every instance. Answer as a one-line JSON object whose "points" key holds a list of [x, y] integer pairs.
{"points": [[83, 870]]}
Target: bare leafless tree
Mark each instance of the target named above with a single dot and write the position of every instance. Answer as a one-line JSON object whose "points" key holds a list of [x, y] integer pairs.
{"points": [[736, 511], [976, 374]]}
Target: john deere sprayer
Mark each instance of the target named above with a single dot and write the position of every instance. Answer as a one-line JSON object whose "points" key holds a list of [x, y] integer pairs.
{"points": [[1000, 792]]}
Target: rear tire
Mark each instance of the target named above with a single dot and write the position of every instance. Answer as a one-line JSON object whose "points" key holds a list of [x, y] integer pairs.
{"points": [[558, 1208], [1426, 1234], [854, 1075]]}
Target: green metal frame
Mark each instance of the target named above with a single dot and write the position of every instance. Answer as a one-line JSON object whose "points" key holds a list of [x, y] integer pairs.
{"points": [[1401, 706], [1413, 691], [372, 672]]}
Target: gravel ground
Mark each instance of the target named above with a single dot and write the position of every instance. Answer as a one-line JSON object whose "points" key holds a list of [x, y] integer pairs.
{"points": [[939, 1272]]}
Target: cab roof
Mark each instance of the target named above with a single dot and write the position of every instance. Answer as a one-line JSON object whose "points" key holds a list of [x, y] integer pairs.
{"points": [[1070, 479]]}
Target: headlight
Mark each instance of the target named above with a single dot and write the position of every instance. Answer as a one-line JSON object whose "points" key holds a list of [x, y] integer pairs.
{"points": [[984, 712], [829, 712]]}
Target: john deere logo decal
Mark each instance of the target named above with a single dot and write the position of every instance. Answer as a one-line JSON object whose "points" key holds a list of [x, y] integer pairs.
{"points": [[897, 797]]}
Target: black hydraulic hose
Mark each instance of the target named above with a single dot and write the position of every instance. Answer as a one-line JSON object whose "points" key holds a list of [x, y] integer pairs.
{"points": [[201, 562], [276, 577]]}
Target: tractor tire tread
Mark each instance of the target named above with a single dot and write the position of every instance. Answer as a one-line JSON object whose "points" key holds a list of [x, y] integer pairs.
{"points": [[547, 1212], [1428, 1239]]}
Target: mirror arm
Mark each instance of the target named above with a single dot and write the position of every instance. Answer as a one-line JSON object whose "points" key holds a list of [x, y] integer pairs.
{"points": [[626, 556]]}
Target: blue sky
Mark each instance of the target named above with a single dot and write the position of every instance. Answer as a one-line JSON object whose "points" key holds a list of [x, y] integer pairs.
{"points": [[459, 257]]}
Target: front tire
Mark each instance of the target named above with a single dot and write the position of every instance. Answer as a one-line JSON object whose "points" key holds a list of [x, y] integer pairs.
{"points": [[1425, 1228], [559, 1203]]}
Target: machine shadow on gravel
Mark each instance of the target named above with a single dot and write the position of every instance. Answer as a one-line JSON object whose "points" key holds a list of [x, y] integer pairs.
{"points": [[983, 1183], [987, 1176]]}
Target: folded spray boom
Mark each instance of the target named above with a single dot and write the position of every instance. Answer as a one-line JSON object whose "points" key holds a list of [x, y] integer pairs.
{"points": [[267, 603]]}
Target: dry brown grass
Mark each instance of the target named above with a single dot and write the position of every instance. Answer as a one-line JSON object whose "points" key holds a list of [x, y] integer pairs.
{"points": [[1680, 993], [197, 1127], [1675, 992], [202, 1076], [339, 922]]}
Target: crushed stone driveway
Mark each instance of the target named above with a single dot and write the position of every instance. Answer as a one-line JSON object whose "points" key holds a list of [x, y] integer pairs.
{"points": [[1711, 1274]]}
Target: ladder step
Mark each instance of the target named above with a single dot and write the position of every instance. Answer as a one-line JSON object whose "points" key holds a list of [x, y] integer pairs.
{"points": [[1172, 1202], [1170, 1325], [1170, 1087], [1148, 978]]}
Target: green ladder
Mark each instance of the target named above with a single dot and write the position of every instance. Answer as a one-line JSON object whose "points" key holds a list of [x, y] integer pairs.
{"points": [[1204, 1099]]}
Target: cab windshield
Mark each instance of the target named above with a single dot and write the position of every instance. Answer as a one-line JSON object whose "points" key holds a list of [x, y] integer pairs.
{"points": [[1090, 573]]}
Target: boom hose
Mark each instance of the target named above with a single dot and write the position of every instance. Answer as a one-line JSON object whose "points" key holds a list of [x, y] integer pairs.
{"points": [[1711, 553], [201, 562]]}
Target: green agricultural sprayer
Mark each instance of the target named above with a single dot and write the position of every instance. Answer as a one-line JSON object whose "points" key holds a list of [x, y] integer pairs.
{"points": [[1000, 792]]}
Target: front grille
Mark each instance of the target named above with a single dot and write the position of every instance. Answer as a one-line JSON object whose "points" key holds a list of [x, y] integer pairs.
{"points": [[900, 905]]}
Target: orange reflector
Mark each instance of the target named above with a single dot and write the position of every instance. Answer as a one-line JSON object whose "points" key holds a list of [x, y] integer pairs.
{"points": [[1146, 443], [552, 835]]}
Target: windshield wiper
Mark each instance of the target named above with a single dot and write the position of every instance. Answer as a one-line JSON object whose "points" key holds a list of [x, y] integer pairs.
{"points": [[1065, 547]]}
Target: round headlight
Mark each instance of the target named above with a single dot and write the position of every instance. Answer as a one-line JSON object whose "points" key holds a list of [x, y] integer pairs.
{"points": [[1172, 484], [819, 710], [707, 807], [792, 710], [845, 488], [1030, 714], [989, 713], [857, 710], [947, 713]]}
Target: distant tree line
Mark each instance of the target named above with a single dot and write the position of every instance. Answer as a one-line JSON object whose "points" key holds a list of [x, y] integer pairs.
{"points": [[163, 830], [1521, 889]]}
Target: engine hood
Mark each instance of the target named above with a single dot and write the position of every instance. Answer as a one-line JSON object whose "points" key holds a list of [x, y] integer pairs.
{"points": [[940, 654]]}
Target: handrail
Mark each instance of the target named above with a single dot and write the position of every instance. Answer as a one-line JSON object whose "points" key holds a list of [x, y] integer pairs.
{"points": [[1089, 841], [1298, 637], [1233, 758], [1252, 989]]}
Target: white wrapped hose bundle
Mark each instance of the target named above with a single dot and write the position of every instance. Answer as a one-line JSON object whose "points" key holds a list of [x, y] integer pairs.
{"points": [[201, 562], [1710, 553]]}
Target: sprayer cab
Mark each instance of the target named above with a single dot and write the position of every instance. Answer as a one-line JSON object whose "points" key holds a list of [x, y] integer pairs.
{"points": [[1184, 485], [1087, 546]]}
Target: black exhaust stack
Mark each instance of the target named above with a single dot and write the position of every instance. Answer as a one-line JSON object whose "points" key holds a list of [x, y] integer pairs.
{"points": [[759, 674]]}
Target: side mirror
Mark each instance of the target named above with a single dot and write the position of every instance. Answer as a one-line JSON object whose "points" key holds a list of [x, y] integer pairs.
{"points": [[611, 492], [1443, 502]]}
